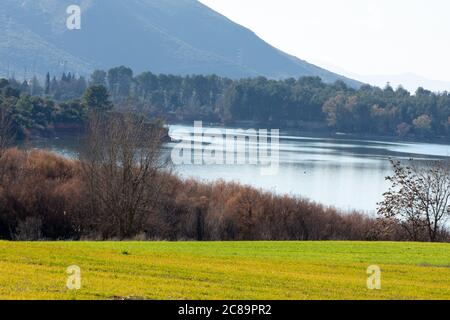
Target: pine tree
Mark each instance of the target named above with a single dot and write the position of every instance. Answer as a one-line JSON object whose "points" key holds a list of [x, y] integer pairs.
{"points": [[47, 84]]}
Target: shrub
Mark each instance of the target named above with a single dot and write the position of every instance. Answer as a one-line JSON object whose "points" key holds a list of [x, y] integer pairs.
{"points": [[45, 196]]}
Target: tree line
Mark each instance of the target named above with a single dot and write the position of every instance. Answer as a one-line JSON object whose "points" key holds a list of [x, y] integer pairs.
{"points": [[306, 103]]}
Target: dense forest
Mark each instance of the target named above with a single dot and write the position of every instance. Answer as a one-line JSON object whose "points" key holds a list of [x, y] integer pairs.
{"points": [[305, 103], [32, 113]]}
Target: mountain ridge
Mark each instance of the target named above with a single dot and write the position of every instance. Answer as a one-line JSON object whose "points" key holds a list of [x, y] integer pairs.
{"points": [[162, 36]]}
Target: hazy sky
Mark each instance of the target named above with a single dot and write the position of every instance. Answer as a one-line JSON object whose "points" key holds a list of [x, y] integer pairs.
{"points": [[366, 37]]}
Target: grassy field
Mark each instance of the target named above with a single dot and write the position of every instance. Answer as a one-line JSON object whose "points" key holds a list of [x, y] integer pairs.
{"points": [[234, 270]]}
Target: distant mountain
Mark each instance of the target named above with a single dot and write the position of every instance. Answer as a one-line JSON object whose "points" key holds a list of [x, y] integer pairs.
{"points": [[162, 36]]}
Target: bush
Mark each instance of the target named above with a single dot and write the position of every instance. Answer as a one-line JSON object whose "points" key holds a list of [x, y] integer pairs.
{"points": [[44, 196]]}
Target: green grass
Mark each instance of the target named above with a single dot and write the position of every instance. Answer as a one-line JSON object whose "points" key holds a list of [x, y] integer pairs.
{"points": [[224, 270]]}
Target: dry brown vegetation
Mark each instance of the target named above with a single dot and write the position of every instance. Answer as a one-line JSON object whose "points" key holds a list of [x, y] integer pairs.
{"points": [[46, 196]]}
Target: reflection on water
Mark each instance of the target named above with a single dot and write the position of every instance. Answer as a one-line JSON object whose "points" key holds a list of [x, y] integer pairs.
{"points": [[344, 172]]}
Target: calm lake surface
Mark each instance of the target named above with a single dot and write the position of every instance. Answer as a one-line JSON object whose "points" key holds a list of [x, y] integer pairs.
{"points": [[344, 172]]}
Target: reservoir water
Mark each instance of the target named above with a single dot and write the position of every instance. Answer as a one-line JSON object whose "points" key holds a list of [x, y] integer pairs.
{"points": [[344, 172]]}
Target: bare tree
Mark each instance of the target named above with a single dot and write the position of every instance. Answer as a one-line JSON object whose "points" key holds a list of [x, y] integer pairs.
{"points": [[6, 131], [121, 164], [419, 199]]}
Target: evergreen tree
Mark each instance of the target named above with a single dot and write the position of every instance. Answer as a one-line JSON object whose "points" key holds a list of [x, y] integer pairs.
{"points": [[47, 84]]}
